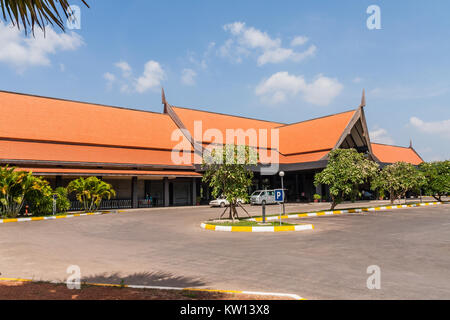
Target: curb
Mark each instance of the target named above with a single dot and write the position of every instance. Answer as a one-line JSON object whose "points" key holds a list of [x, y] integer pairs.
{"points": [[336, 212], [301, 227], [52, 217], [275, 294]]}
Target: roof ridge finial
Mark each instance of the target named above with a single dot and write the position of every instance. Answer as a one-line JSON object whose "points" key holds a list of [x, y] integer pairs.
{"points": [[163, 96], [163, 99], [410, 143], [363, 99]]}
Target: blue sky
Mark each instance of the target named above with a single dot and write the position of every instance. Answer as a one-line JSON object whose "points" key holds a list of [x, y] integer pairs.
{"points": [[279, 60]]}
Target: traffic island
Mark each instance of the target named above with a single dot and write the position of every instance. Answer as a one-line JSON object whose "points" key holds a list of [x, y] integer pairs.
{"points": [[254, 226], [343, 211]]}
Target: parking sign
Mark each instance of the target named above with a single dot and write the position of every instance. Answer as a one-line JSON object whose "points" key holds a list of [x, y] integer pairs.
{"points": [[279, 195]]}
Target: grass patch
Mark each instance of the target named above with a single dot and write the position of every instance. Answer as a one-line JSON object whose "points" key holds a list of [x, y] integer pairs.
{"points": [[246, 223]]}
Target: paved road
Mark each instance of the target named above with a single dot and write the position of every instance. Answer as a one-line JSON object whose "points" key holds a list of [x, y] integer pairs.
{"points": [[411, 246]]}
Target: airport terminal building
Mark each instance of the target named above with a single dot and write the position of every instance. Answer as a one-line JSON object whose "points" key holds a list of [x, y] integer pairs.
{"points": [[133, 150]]}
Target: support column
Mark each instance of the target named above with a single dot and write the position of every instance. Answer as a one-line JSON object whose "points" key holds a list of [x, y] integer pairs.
{"points": [[58, 182], [194, 191], [297, 192], [134, 192], [166, 192]]}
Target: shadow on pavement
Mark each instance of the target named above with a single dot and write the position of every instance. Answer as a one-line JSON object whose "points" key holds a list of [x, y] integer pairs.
{"points": [[160, 278]]}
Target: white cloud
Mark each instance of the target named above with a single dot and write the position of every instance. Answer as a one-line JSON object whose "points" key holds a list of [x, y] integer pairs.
{"points": [[357, 80], [281, 54], [299, 41], [151, 78], [233, 52], [438, 127], [246, 40], [281, 86], [322, 91], [23, 51], [188, 77], [110, 79], [251, 37], [125, 67], [202, 61], [381, 135]]}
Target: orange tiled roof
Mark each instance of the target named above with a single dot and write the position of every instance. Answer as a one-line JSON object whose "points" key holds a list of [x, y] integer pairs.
{"points": [[222, 122], [54, 130], [19, 150], [103, 172], [39, 118], [391, 154], [314, 135], [304, 157]]}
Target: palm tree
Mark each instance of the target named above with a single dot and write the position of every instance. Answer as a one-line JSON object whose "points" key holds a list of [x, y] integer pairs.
{"points": [[14, 187], [35, 12], [90, 192]]}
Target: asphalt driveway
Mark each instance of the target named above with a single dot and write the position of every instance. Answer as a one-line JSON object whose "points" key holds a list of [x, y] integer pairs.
{"points": [[167, 247]]}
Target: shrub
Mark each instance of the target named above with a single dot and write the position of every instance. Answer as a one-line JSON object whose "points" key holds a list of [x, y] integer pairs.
{"points": [[62, 200], [15, 186], [40, 200], [90, 192]]}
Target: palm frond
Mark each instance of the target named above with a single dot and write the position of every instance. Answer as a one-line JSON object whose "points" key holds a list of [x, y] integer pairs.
{"points": [[29, 13]]}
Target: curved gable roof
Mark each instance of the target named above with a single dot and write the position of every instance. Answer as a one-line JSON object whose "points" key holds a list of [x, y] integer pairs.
{"points": [[391, 154], [314, 135]]}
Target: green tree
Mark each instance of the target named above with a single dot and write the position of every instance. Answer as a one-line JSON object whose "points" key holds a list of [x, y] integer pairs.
{"points": [[29, 13], [90, 192], [62, 200], [227, 172], [14, 187], [437, 175], [397, 179], [40, 198], [347, 169]]}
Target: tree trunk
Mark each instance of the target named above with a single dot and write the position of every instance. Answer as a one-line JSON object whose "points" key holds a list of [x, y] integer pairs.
{"points": [[391, 196], [333, 203], [438, 198]]}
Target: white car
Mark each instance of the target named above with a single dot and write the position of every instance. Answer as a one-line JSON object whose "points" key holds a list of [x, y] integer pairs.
{"points": [[222, 202]]}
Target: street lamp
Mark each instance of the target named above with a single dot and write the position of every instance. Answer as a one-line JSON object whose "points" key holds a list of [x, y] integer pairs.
{"points": [[282, 188]]}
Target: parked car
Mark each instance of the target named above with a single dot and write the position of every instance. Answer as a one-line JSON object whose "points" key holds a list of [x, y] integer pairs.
{"points": [[222, 202], [262, 197]]}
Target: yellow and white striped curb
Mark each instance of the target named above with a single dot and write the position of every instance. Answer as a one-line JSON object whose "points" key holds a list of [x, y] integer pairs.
{"points": [[52, 217], [300, 227], [336, 212], [273, 294]]}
